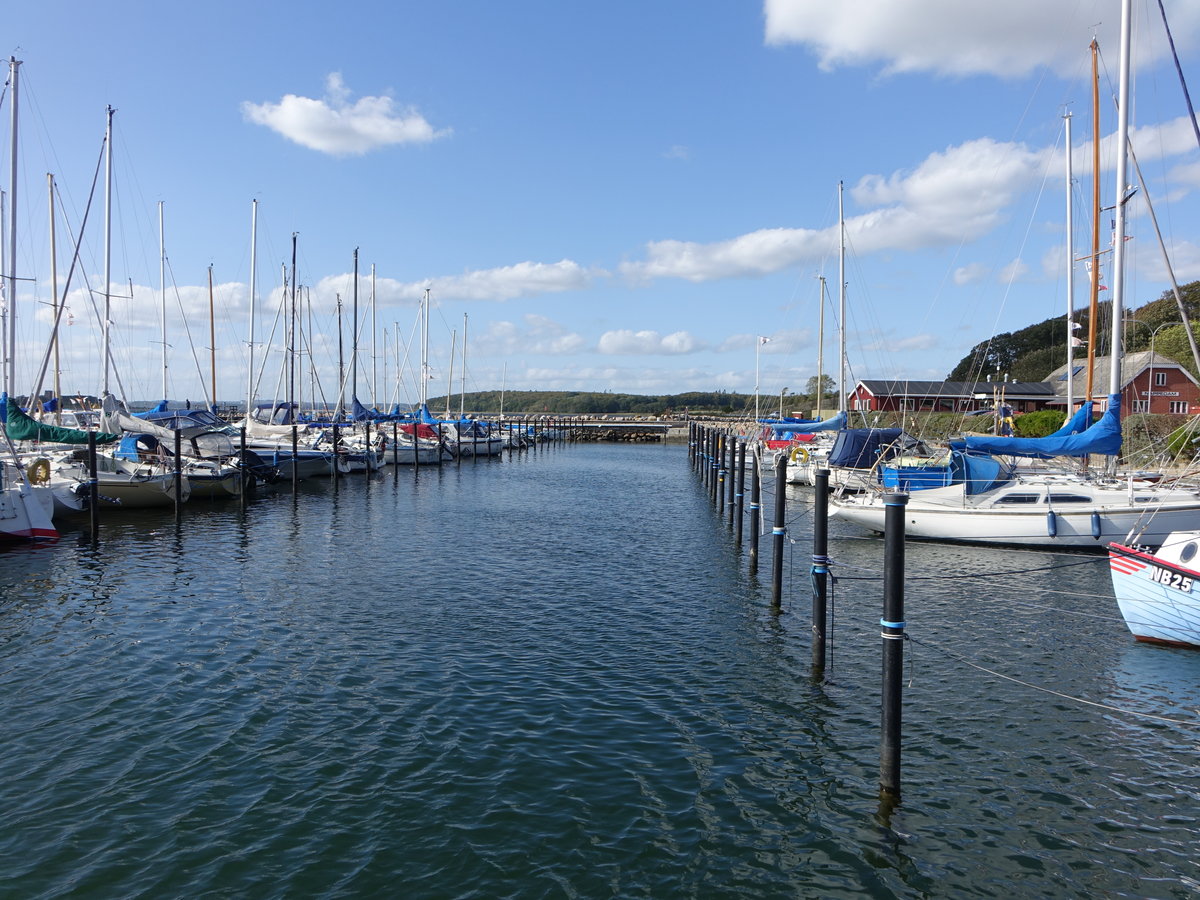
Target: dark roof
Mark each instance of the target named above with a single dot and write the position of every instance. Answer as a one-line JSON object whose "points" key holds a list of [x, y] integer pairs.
{"points": [[963, 389]]}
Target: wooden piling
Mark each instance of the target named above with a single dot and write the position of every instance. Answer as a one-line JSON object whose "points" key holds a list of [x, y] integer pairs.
{"points": [[93, 487]]}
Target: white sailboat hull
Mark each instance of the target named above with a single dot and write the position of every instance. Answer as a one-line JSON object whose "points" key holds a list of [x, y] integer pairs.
{"points": [[1049, 512]]}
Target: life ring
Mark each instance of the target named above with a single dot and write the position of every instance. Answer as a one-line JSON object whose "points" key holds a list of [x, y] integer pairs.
{"points": [[38, 471], [798, 455]]}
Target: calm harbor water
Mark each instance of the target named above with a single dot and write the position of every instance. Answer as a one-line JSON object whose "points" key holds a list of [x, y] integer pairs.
{"points": [[554, 675]]}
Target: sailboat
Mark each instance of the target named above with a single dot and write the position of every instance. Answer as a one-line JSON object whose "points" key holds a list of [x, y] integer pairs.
{"points": [[991, 501]]}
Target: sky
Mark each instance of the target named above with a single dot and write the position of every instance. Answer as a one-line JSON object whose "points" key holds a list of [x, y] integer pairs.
{"points": [[625, 196]]}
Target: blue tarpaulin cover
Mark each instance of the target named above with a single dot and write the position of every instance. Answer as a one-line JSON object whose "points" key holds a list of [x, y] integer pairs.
{"points": [[1102, 438]]}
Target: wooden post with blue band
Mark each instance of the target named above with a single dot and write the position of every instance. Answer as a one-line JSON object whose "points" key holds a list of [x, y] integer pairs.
{"points": [[779, 532]]}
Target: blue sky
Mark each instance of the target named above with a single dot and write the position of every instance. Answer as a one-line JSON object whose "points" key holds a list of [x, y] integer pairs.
{"points": [[620, 196]]}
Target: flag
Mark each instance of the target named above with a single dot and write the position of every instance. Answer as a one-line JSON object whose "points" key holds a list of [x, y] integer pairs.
{"points": [[763, 340]]}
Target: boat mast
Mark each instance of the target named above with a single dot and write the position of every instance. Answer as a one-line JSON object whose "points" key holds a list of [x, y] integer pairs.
{"points": [[820, 351], [841, 301], [212, 343], [354, 336], [162, 287], [462, 391], [450, 371], [341, 404], [1094, 302], [1070, 275], [291, 342], [1123, 196], [55, 303], [10, 372], [250, 355], [424, 350], [107, 244], [374, 356]]}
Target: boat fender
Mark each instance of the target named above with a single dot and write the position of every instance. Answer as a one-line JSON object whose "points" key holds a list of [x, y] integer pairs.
{"points": [[1052, 524], [798, 455], [38, 471], [1096, 525]]}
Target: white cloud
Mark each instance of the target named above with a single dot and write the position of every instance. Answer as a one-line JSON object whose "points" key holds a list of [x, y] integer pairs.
{"points": [[970, 273], [1014, 271], [778, 342], [525, 279], [335, 126], [914, 342], [626, 342], [950, 37], [535, 334], [678, 151]]}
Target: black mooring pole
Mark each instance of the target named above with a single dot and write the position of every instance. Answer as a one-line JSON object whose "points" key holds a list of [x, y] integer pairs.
{"points": [[893, 643], [93, 487], [178, 475], [740, 497], [820, 569], [731, 474], [755, 510], [779, 532]]}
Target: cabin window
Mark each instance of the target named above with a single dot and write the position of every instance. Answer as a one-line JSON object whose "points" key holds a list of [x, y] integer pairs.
{"points": [[1008, 499], [1068, 498], [1160, 379], [1188, 551], [1179, 407]]}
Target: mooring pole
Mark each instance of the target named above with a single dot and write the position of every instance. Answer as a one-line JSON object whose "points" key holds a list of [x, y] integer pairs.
{"points": [[333, 470], [718, 447], [893, 643], [295, 461], [755, 509], [722, 473], [371, 459], [820, 569], [779, 532], [245, 469], [731, 474], [93, 487], [740, 496], [178, 475]]}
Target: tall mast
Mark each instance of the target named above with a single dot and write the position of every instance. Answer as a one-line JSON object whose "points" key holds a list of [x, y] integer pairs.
{"points": [[212, 343], [1094, 301], [374, 356], [820, 352], [107, 243], [253, 261], [354, 336], [162, 286], [55, 303], [292, 332], [425, 348], [341, 403], [462, 393], [10, 373], [1070, 274], [1123, 195], [450, 370], [841, 301]]}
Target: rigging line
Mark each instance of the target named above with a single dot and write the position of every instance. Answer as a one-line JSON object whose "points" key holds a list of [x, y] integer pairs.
{"points": [[1060, 694], [1182, 83]]}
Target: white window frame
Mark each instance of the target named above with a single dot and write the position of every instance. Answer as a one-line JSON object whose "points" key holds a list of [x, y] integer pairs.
{"points": [[1179, 407]]}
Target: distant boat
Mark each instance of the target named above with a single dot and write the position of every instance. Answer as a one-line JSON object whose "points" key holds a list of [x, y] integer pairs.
{"points": [[1159, 592]]}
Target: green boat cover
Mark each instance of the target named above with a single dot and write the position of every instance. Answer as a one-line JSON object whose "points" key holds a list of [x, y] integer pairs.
{"points": [[21, 427]]}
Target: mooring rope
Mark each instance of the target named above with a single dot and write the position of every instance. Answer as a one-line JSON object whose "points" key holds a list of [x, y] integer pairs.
{"points": [[1060, 694]]}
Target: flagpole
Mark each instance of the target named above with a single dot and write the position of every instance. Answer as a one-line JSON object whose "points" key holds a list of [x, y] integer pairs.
{"points": [[757, 369]]}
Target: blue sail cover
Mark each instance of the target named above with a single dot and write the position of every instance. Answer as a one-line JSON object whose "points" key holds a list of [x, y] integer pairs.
{"points": [[791, 429], [1081, 421], [360, 413], [859, 448], [977, 473], [1102, 439]]}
